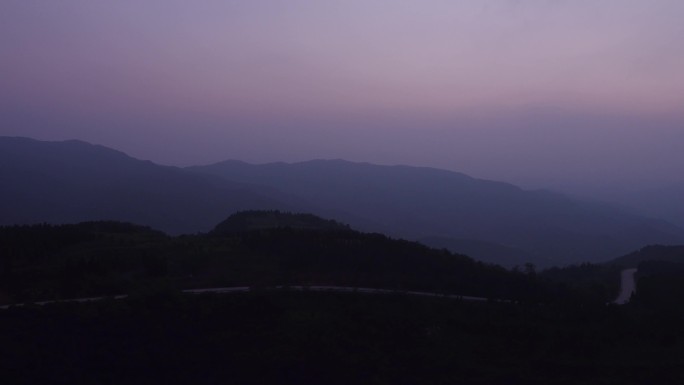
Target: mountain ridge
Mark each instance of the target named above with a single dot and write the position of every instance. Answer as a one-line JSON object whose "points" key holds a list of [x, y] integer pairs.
{"points": [[72, 181], [420, 202]]}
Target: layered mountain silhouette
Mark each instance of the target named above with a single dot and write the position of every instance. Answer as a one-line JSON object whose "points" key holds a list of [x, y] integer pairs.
{"points": [[417, 202], [665, 202], [673, 254], [487, 251], [72, 181]]}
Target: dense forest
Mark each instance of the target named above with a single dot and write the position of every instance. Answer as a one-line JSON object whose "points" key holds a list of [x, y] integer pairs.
{"points": [[260, 249], [557, 327], [285, 337]]}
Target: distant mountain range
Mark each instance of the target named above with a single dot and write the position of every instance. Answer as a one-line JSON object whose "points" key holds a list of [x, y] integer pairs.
{"points": [[490, 217], [487, 251], [72, 181], [662, 202], [673, 254]]}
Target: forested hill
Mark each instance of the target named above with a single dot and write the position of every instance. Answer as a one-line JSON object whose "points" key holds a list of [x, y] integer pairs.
{"points": [[491, 218], [73, 181], [559, 325], [554, 331], [105, 258], [255, 220]]}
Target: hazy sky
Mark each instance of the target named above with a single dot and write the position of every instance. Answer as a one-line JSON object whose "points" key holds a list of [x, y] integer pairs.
{"points": [[556, 92]]}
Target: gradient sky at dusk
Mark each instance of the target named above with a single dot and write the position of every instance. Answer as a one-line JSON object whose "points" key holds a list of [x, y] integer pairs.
{"points": [[539, 92]]}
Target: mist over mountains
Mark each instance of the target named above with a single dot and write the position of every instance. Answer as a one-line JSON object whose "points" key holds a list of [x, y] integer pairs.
{"points": [[73, 181], [662, 202], [423, 203], [62, 182]]}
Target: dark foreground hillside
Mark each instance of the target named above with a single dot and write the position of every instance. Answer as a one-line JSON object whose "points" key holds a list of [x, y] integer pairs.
{"points": [[45, 262], [557, 327], [327, 338]]}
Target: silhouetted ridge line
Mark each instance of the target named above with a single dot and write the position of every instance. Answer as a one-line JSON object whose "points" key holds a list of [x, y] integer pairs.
{"points": [[66, 182], [496, 221], [273, 219]]}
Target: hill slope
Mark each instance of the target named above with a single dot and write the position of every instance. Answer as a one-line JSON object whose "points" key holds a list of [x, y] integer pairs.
{"points": [[62, 182], [651, 253], [73, 181], [260, 220], [664, 202], [485, 251], [418, 202], [42, 262]]}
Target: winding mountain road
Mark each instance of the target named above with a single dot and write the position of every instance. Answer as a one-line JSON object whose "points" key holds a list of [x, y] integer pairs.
{"points": [[242, 289], [627, 286]]}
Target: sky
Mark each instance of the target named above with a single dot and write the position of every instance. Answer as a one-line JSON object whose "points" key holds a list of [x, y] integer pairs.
{"points": [[569, 94]]}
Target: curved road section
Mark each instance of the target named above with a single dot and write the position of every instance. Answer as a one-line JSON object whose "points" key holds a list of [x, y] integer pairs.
{"points": [[627, 286], [240, 289]]}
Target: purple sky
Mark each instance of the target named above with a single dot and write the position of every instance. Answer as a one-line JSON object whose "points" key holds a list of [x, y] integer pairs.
{"points": [[539, 92]]}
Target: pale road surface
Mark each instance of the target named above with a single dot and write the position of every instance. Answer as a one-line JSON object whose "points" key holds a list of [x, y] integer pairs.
{"points": [[336, 289], [627, 286]]}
